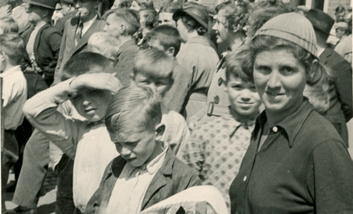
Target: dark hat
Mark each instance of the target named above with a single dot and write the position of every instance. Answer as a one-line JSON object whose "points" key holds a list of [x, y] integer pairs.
{"points": [[49, 4], [320, 20], [196, 12], [68, 1]]}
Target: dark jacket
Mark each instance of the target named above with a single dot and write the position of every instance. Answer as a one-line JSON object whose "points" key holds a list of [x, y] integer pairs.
{"points": [[340, 92], [173, 177], [46, 49]]}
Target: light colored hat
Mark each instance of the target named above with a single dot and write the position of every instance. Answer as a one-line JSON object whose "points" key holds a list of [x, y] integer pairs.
{"points": [[292, 27]]}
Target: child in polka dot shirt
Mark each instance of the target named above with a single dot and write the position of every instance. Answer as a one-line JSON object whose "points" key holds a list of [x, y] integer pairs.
{"points": [[216, 148]]}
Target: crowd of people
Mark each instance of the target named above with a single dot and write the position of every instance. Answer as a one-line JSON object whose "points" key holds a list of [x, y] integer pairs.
{"points": [[240, 109]]}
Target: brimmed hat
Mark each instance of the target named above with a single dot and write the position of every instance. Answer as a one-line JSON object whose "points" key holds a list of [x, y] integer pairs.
{"points": [[292, 27], [49, 4], [196, 12], [320, 20]]}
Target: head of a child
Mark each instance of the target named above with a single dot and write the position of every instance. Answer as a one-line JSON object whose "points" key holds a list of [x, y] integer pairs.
{"points": [[153, 69], [121, 22], [165, 38], [12, 49], [8, 25], [243, 98], [90, 103], [133, 122]]}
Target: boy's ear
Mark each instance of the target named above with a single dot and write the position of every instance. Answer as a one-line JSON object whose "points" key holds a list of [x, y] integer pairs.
{"points": [[160, 128], [170, 51]]}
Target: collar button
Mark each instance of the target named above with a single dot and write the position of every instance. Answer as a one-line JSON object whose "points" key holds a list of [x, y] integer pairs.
{"points": [[275, 129]]}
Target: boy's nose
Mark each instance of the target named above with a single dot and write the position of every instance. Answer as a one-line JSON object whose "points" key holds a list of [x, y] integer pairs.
{"points": [[125, 152], [246, 95]]}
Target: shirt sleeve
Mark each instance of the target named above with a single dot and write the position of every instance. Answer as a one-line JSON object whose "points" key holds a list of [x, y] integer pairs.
{"points": [[41, 111], [331, 178]]}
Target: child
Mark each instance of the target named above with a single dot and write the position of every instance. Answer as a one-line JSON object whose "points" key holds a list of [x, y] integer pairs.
{"points": [[7, 25], [90, 92], [14, 95], [146, 171], [167, 39], [216, 148], [154, 69]]}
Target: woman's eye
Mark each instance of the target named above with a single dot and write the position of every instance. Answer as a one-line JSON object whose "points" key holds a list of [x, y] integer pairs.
{"points": [[288, 70]]}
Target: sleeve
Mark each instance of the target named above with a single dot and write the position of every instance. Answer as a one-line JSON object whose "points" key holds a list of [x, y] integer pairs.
{"points": [[57, 75], [54, 42], [332, 174], [12, 90], [344, 88], [41, 111]]}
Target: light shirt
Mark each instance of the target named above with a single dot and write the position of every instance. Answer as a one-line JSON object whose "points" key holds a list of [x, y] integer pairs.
{"points": [[87, 25], [14, 95], [131, 186]]}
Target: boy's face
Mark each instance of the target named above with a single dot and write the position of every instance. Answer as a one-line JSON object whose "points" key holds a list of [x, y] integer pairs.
{"points": [[91, 103], [243, 97], [160, 86], [138, 145], [166, 19], [114, 25]]}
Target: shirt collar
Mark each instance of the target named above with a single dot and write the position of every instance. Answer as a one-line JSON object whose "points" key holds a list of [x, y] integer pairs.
{"points": [[292, 124], [11, 70], [228, 116]]}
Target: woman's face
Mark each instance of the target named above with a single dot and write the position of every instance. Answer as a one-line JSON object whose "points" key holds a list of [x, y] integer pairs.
{"points": [[280, 79]]}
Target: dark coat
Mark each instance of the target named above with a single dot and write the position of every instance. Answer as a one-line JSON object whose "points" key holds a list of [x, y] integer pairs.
{"points": [[46, 48], [340, 92], [68, 48], [173, 177]]}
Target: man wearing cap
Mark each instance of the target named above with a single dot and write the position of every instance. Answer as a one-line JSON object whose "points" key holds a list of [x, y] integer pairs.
{"points": [[68, 10], [41, 39], [196, 55], [340, 92], [77, 31]]}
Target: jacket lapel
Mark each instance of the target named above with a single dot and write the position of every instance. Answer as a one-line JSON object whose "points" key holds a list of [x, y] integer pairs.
{"points": [[159, 179], [95, 27]]}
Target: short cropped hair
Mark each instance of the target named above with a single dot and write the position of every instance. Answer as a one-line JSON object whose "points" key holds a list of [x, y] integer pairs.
{"points": [[130, 16], [8, 25], [133, 105], [155, 64], [238, 64], [13, 46], [105, 44], [85, 62], [168, 36], [170, 7]]}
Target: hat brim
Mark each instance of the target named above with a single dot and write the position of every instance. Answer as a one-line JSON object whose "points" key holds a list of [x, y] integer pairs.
{"points": [[39, 4], [180, 12]]}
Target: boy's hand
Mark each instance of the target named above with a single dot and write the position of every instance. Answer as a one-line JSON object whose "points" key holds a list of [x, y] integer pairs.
{"points": [[102, 81]]}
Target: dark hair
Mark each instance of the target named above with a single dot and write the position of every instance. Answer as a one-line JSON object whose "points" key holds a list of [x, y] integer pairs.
{"points": [[170, 7], [191, 24], [340, 9], [151, 17], [13, 46], [84, 63], [168, 36], [8, 25], [238, 64], [140, 103]]}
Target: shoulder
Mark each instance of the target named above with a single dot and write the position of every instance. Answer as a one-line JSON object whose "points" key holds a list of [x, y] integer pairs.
{"points": [[180, 169], [50, 30]]}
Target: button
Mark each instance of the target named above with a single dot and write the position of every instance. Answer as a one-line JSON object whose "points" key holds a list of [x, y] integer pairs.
{"points": [[275, 129], [220, 81], [216, 99], [244, 179]]}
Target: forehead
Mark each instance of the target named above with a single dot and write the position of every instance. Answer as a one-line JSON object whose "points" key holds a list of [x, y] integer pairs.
{"points": [[114, 19], [165, 15], [131, 132], [237, 80], [155, 43]]}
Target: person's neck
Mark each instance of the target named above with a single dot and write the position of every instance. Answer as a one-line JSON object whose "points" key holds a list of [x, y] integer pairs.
{"points": [[237, 40], [192, 35], [88, 18], [321, 46], [8, 67], [275, 117], [241, 117], [123, 39], [39, 22], [157, 151]]}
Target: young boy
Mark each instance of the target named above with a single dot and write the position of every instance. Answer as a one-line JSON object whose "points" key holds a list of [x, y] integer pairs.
{"points": [[7, 25], [154, 69], [217, 147], [146, 171], [167, 39], [14, 95], [90, 92]]}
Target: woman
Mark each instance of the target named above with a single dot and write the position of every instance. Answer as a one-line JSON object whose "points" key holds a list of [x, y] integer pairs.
{"points": [[296, 161]]}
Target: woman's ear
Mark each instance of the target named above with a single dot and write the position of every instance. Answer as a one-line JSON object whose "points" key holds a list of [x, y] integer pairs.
{"points": [[170, 51], [314, 72]]}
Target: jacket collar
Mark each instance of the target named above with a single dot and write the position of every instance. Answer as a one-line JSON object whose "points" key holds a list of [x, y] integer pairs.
{"points": [[199, 40], [290, 125]]}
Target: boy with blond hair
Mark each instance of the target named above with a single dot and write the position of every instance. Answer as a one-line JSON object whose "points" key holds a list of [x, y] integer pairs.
{"points": [[146, 171], [14, 95], [88, 83]]}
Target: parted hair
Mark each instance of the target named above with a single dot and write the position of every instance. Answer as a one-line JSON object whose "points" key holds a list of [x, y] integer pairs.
{"points": [[168, 36], [133, 105], [130, 16], [13, 46], [238, 64], [8, 25], [84, 63], [155, 64]]}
